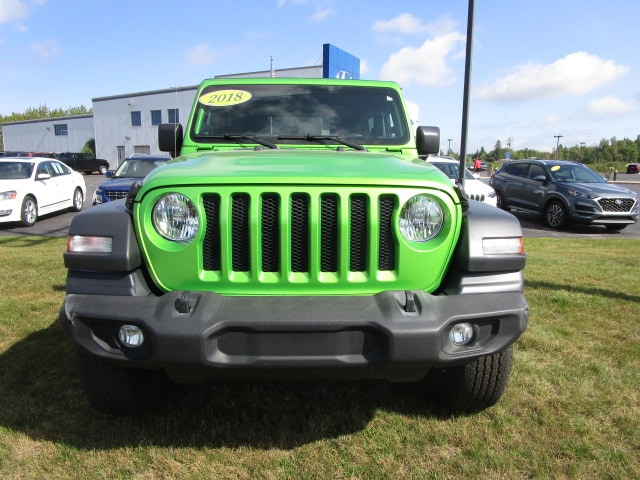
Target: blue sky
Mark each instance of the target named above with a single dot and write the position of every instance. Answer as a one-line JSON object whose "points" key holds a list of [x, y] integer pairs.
{"points": [[540, 68]]}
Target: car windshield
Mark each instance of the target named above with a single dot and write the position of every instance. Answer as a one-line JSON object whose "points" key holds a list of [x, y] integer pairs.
{"points": [[15, 170], [574, 173], [451, 170], [300, 114], [137, 168]]}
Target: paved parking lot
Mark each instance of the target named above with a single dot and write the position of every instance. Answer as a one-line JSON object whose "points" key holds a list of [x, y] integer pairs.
{"points": [[57, 225]]}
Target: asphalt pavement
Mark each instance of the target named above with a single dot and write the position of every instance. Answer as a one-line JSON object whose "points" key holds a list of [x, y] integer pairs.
{"points": [[57, 224]]}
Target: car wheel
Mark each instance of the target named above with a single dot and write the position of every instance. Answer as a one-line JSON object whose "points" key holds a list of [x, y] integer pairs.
{"points": [[555, 215], [29, 212], [474, 386], [102, 170], [119, 390], [78, 200], [500, 203]]}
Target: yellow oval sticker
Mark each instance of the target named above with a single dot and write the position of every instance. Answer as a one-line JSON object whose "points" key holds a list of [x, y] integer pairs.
{"points": [[225, 98], [555, 168]]}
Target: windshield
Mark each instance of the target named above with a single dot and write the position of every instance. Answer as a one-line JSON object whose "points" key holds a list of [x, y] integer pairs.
{"points": [[296, 114], [451, 170], [15, 170], [574, 173], [137, 168]]}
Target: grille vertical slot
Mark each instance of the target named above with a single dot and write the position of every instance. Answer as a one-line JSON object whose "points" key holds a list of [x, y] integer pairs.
{"points": [[300, 233], [358, 237], [240, 234], [386, 241], [270, 232], [329, 233], [211, 252]]}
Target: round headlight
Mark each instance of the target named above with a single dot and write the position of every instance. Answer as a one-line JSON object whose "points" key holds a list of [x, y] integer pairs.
{"points": [[175, 218], [421, 218]]}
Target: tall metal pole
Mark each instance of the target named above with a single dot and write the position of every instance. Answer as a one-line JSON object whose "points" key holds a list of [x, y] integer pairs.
{"points": [[465, 98], [558, 137]]}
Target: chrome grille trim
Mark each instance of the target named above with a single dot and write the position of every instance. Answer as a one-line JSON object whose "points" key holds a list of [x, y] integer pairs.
{"points": [[616, 204]]}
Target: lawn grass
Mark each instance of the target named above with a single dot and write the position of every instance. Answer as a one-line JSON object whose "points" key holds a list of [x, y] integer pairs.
{"points": [[571, 409]]}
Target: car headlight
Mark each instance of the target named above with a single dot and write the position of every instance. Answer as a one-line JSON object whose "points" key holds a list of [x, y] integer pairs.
{"points": [[421, 218], [584, 195], [10, 195], [175, 218]]}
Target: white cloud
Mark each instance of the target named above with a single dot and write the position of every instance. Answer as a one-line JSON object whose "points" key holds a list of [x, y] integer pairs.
{"points": [[13, 11], [201, 54], [610, 106], [322, 14], [576, 74], [405, 24], [428, 64], [46, 50]]}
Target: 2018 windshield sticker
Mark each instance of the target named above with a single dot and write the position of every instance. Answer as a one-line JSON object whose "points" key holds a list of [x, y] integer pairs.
{"points": [[225, 98], [555, 168]]}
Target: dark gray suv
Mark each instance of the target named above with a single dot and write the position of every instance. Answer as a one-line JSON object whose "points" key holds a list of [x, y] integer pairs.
{"points": [[564, 192]]}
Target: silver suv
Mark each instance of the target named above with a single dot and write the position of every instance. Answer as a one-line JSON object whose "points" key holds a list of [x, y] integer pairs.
{"points": [[564, 192]]}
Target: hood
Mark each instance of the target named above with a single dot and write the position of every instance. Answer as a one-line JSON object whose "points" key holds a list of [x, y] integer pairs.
{"points": [[605, 189], [297, 166], [119, 183]]}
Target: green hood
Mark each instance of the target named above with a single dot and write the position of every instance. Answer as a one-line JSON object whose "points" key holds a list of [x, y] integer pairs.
{"points": [[297, 167]]}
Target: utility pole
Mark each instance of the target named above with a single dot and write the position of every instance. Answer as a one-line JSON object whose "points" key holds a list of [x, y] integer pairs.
{"points": [[449, 151], [557, 137]]}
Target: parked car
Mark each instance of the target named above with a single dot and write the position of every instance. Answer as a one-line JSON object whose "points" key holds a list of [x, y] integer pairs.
{"points": [[633, 168], [31, 187], [475, 189], [132, 169], [564, 192], [84, 162]]}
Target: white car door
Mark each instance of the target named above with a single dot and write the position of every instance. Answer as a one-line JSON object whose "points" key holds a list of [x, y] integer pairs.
{"points": [[46, 188]]}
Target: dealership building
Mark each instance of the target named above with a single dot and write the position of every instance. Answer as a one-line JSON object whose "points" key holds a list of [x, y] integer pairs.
{"points": [[128, 123]]}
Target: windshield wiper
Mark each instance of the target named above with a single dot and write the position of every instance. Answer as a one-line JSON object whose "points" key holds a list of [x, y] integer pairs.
{"points": [[312, 138], [239, 136]]}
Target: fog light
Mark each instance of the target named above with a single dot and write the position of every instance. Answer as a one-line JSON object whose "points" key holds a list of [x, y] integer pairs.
{"points": [[461, 334], [131, 336]]}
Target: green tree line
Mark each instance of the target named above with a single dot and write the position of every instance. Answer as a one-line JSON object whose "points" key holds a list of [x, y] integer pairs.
{"points": [[609, 153], [42, 111]]}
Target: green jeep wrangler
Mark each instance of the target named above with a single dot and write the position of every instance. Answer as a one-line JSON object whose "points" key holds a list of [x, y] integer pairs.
{"points": [[297, 235]]}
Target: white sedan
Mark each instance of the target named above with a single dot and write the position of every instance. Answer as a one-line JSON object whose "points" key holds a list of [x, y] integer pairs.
{"points": [[32, 187], [475, 189]]}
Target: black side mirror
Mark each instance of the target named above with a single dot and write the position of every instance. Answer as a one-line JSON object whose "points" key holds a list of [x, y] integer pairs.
{"points": [[428, 140], [170, 138]]}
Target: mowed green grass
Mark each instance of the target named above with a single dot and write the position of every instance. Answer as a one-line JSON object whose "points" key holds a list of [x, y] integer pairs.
{"points": [[571, 409]]}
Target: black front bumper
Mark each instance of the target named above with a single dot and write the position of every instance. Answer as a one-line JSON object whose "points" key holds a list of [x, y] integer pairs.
{"points": [[197, 336]]}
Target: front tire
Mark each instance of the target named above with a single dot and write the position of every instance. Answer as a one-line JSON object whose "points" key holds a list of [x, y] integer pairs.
{"points": [[119, 390], [29, 212], [555, 215], [500, 202], [78, 200], [472, 387]]}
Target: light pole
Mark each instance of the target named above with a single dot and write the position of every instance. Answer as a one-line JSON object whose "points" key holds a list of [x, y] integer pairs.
{"points": [[449, 151], [558, 137], [582, 151]]}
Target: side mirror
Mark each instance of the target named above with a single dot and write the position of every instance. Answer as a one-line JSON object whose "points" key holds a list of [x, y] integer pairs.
{"points": [[428, 140], [170, 138], [110, 173], [43, 176], [540, 178]]}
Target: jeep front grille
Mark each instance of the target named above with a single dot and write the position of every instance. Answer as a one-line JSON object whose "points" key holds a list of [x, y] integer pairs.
{"points": [[616, 204], [299, 233]]}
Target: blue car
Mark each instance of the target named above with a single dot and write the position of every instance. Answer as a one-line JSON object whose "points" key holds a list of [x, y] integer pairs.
{"points": [[133, 169]]}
